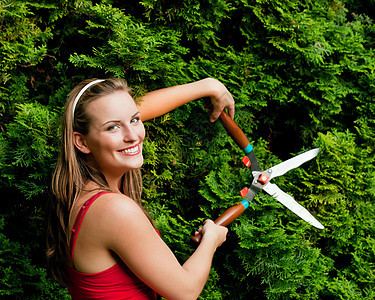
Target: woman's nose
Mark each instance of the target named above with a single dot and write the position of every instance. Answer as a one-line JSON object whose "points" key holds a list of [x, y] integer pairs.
{"points": [[130, 134]]}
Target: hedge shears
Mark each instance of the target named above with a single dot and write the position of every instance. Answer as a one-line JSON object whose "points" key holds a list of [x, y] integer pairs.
{"points": [[261, 179]]}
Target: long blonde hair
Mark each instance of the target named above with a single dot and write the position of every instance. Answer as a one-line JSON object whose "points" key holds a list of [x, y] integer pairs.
{"points": [[73, 171]]}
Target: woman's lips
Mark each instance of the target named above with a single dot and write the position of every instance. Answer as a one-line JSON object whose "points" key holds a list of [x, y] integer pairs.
{"points": [[131, 150]]}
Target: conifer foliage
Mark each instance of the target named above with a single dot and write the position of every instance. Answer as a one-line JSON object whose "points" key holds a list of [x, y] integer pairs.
{"points": [[302, 75]]}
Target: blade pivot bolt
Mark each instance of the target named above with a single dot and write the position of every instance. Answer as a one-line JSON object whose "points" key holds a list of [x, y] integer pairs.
{"points": [[246, 161], [263, 178], [244, 192]]}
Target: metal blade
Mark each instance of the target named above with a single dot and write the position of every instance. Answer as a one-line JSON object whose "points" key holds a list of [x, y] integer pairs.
{"points": [[292, 163], [288, 201]]}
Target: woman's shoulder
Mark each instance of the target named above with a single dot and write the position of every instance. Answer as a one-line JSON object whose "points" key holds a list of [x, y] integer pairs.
{"points": [[115, 204], [116, 218]]}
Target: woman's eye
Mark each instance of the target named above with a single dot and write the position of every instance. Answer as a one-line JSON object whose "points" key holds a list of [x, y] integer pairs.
{"points": [[113, 127], [135, 120]]}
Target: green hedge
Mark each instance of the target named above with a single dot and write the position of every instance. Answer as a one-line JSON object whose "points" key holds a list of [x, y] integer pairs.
{"points": [[302, 75]]}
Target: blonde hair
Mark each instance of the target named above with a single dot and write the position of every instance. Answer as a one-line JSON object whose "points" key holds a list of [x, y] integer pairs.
{"points": [[73, 171]]}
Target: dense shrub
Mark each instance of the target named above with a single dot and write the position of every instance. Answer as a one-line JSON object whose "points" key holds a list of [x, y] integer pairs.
{"points": [[302, 75]]}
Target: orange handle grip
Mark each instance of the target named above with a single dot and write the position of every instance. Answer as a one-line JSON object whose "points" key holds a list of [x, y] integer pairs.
{"points": [[225, 219], [235, 132]]}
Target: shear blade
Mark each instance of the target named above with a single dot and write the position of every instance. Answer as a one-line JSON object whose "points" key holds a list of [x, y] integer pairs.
{"points": [[293, 163], [288, 201]]}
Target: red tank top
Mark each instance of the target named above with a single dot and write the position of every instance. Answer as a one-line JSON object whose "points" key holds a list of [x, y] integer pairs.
{"points": [[116, 282]]}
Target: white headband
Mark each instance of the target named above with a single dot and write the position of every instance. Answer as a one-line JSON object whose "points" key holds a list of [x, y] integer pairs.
{"points": [[81, 93]]}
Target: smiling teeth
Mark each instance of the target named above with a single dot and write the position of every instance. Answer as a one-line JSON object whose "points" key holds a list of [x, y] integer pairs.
{"points": [[131, 150]]}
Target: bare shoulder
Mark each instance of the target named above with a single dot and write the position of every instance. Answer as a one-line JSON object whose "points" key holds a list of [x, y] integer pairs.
{"points": [[114, 215], [114, 206], [115, 201]]}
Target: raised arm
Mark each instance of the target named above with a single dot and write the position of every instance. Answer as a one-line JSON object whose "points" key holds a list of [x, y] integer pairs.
{"points": [[159, 102]]}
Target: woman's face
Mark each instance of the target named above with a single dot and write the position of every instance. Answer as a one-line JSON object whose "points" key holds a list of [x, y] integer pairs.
{"points": [[116, 134]]}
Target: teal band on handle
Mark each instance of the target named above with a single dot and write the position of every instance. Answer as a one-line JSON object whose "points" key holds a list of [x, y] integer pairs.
{"points": [[248, 149], [245, 203]]}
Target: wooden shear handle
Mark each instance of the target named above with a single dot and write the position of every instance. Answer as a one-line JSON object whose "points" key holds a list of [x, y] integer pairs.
{"points": [[234, 131], [225, 219], [241, 140]]}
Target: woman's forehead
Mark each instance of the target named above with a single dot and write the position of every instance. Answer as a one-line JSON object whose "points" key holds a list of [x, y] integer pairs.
{"points": [[116, 104]]}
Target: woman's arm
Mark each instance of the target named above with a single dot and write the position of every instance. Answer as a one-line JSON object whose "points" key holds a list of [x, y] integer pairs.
{"points": [[159, 102], [125, 230]]}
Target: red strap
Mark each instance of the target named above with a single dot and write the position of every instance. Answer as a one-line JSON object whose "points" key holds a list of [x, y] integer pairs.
{"points": [[79, 220]]}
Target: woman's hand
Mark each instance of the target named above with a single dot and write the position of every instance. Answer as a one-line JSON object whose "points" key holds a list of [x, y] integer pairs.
{"points": [[212, 231], [221, 99]]}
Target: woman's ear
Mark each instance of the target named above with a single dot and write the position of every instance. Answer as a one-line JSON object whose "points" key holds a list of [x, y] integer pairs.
{"points": [[80, 143]]}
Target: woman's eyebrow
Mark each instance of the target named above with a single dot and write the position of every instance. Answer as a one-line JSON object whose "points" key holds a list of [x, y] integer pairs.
{"points": [[110, 121], [137, 113], [118, 121]]}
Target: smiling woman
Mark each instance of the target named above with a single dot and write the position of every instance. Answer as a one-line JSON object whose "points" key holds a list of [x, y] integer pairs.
{"points": [[112, 250], [115, 135]]}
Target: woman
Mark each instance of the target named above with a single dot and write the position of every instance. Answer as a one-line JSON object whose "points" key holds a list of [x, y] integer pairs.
{"points": [[102, 244]]}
